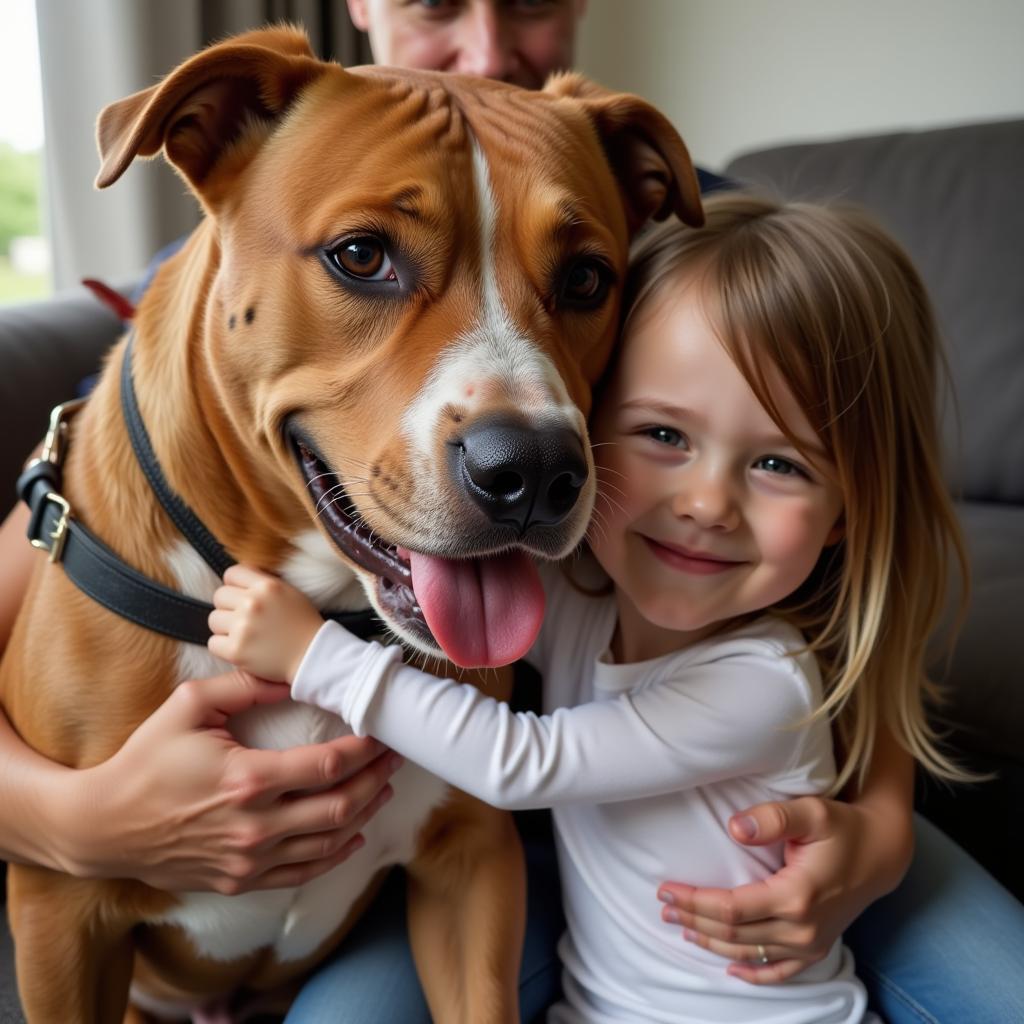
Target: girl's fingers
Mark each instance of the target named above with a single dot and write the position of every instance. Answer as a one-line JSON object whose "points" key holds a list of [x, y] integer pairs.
{"points": [[220, 621], [242, 576], [767, 974], [228, 598], [221, 647]]}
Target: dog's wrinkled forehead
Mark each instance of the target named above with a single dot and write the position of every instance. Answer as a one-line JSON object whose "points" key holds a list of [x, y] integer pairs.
{"points": [[422, 143], [480, 195]]}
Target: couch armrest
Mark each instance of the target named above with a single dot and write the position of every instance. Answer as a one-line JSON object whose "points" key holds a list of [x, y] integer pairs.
{"points": [[46, 349]]}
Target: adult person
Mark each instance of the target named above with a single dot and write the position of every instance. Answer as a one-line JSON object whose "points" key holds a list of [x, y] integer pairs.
{"points": [[941, 948]]}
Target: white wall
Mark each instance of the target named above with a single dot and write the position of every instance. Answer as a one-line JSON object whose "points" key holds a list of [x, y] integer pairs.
{"points": [[740, 74]]}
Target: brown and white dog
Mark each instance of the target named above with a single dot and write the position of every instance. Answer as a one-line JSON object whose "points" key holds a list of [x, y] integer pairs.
{"points": [[405, 286]]}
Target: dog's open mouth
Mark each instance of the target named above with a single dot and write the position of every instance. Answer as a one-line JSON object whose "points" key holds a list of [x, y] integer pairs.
{"points": [[482, 611], [358, 543]]}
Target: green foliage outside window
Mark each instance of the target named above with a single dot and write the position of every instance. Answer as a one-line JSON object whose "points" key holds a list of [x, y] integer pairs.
{"points": [[19, 194], [20, 201]]}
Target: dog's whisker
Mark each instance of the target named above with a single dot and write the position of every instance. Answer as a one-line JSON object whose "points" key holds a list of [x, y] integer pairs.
{"points": [[329, 496], [320, 476], [604, 487], [607, 500]]}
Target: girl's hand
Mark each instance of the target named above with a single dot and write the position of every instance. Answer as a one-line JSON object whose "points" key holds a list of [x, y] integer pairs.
{"points": [[262, 624], [839, 858], [182, 806]]}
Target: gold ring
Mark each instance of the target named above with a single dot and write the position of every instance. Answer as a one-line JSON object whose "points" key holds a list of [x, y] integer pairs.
{"points": [[762, 956]]}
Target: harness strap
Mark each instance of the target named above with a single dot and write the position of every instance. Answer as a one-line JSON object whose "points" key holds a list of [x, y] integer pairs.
{"points": [[192, 528], [99, 572]]}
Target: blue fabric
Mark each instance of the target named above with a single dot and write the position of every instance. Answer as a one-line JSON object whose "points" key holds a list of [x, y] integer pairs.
{"points": [[944, 948], [947, 947], [710, 182]]}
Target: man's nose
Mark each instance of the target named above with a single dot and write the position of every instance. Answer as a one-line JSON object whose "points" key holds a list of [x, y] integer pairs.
{"points": [[707, 495], [483, 45]]}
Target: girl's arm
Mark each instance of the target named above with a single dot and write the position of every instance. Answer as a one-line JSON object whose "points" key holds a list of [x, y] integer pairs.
{"points": [[839, 858], [230, 823], [721, 720]]}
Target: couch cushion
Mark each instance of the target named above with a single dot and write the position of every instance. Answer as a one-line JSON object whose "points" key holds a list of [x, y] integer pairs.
{"points": [[952, 198], [10, 1007], [46, 348], [985, 676]]}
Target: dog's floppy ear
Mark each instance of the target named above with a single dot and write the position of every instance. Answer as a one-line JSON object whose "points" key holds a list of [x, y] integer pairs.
{"points": [[643, 148], [201, 107]]}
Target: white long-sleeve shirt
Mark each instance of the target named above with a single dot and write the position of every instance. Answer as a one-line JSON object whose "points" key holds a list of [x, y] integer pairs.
{"points": [[642, 764]]}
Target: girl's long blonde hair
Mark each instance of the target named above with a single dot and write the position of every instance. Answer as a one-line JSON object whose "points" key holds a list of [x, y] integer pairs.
{"points": [[826, 296]]}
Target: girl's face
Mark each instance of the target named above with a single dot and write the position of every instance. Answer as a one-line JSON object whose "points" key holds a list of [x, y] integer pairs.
{"points": [[706, 511]]}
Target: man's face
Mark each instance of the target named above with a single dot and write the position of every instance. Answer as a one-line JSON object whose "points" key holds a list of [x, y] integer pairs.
{"points": [[518, 41]]}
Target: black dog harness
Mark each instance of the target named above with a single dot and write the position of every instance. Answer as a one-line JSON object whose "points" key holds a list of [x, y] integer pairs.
{"points": [[96, 569]]}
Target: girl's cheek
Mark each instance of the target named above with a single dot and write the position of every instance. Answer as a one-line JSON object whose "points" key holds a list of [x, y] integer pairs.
{"points": [[791, 533]]}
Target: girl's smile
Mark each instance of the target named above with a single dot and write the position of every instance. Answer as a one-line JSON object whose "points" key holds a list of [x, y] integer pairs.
{"points": [[699, 562], [706, 511]]}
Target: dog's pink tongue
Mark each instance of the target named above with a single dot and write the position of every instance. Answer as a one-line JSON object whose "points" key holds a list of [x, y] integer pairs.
{"points": [[484, 611]]}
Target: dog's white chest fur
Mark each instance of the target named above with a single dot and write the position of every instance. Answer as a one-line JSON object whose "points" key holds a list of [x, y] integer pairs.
{"points": [[294, 922]]}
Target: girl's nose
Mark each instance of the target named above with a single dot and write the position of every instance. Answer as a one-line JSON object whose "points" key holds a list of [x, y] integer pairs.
{"points": [[707, 496]]}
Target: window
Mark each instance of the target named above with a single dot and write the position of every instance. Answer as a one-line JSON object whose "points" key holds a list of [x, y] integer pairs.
{"points": [[24, 251]]}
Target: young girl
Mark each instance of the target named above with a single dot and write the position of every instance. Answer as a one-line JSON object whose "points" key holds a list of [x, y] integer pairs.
{"points": [[773, 523]]}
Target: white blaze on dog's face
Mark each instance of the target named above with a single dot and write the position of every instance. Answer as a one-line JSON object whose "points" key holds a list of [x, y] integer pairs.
{"points": [[410, 327], [494, 364]]}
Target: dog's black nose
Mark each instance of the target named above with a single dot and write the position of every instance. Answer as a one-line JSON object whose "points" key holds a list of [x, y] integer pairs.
{"points": [[522, 476]]}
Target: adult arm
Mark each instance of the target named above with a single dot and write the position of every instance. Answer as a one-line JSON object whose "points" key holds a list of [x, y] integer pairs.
{"points": [[181, 805], [697, 724], [16, 556], [839, 858]]}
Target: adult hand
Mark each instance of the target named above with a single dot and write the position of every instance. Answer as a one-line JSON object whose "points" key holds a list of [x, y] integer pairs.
{"points": [[183, 806], [838, 858]]}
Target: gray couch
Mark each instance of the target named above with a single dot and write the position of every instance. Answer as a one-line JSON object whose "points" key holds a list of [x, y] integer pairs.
{"points": [[951, 197]]}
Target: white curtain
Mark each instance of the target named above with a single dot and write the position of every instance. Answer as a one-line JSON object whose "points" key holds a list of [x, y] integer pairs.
{"points": [[93, 52]]}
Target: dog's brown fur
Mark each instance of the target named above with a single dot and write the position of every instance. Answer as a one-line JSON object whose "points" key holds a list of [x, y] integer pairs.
{"points": [[242, 328]]}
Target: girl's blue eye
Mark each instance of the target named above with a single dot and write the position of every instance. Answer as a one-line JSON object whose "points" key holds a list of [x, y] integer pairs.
{"points": [[779, 466], [666, 435]]}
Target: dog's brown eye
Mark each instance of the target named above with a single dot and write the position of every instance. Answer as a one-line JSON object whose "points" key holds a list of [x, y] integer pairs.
{"points": [[364, 258], [585, 283]]}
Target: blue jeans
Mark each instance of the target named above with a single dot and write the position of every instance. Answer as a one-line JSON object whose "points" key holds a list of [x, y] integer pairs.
{"points": [[945, 948]]}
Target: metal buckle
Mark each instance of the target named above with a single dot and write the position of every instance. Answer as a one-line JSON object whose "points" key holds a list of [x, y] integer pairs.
{"points": [[60, 530], [53, 453], [56, 433]]}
